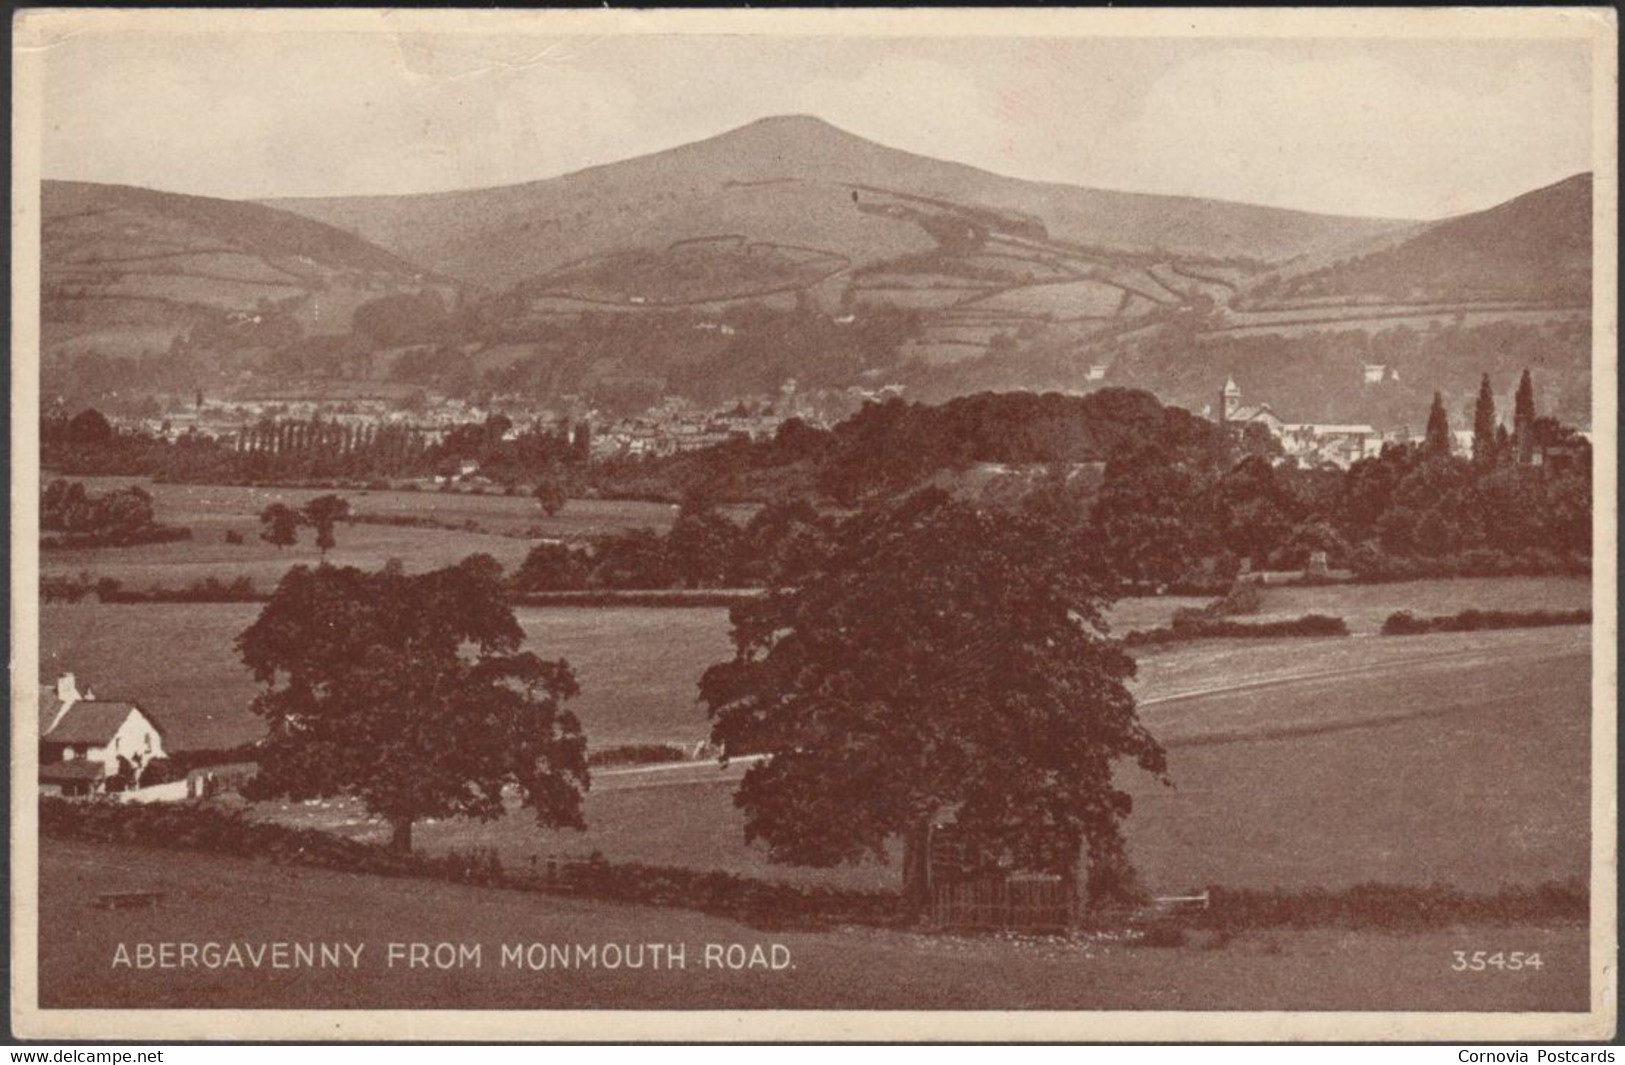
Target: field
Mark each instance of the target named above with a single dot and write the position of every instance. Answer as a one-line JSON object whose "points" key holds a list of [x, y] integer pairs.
{"points": [[1460, 759], [211, 510], [228, 900], [1441, 763], [1366, 606], [638, 667], [1457, 757]]}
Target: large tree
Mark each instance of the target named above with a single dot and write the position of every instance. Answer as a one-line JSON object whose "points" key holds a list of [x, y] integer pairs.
{"points": [[1145, 516], [279, 525], [939, 660], [703, 546], [412, 694], [322, 514]]}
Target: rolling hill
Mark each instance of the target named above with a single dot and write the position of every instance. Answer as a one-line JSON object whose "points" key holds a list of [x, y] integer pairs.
{"points": [[128, 269], [1535, 248], [797, 181]]}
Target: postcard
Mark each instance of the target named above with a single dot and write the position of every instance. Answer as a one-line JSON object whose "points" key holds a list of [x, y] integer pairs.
{"points": [[814, 525]]}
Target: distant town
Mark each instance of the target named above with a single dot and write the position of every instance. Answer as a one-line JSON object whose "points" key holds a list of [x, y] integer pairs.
{"points": [[676, 425]]}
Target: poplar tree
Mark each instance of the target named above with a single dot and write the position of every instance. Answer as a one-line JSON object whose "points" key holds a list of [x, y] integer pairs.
{"points": [[1484, 424], [1523, 418], [1437, 440]]}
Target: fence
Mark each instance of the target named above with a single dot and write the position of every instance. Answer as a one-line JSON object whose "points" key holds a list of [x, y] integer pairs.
{"points": [[1015, 905], [1033, 904]]}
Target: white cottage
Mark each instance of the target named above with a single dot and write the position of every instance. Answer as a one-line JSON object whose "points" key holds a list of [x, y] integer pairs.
{"points": [[83, 739]]}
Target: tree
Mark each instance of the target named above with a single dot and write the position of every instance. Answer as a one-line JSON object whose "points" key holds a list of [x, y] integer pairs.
{"points": [[279, 525], [1249, 511], [1437, 440], [1484, 424], [940, 659], [1143, 516], [321, 514], [551, 566], [90, 427], [549, 495], [704, 546], [1523, 418], [1257, 440], [411, 694]]}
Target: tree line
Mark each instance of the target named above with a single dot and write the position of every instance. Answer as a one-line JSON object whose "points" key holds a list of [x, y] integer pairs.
{"points": [[1176, 504]]}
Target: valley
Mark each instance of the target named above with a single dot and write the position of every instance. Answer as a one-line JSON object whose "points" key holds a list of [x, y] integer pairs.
{"points": [[721, 269]]}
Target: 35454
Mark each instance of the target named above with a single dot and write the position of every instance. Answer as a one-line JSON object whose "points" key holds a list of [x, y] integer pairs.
{"points": [[1482, 960]]}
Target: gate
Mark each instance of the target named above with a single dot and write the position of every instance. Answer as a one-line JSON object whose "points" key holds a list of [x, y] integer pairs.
{"points": [[1026, 904]]}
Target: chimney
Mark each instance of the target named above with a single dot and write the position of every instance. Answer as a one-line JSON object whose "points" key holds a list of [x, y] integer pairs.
{"points": [[67, 690]]}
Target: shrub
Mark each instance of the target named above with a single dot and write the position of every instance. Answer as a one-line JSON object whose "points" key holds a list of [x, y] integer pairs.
{"points": [[161, 771], [1194, 625], [1404, 623], [233, 536], [637, 754]]}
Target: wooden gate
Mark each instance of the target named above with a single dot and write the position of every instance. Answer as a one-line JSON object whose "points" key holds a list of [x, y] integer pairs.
{"points": [[1003, 904]]}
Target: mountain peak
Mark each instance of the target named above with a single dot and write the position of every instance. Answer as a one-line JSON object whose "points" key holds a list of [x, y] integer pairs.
{"points": [[795, 129], [795, 121]]}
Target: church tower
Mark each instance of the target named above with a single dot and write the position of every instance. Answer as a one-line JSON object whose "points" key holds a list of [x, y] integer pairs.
{"points": [[1229, 400]]}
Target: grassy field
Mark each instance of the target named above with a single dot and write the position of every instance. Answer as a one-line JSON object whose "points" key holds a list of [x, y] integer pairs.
{"points": [[211, 510], [1452, 760], [228, 900], [1366, 606], [1460, 758], [638, 667]]}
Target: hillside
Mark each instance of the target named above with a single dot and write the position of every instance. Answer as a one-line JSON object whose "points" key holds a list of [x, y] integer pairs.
{"points": [[792, 208], [1535, 248], [126, 270], [796, 181]]}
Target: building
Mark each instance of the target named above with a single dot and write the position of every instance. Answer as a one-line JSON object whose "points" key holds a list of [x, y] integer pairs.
{"points": [[1236, 416], [1307, 443], [1314, 444], [85, 740]]}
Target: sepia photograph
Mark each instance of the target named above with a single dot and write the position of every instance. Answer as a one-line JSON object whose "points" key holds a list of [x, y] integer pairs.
{"points": [[834, 524]]}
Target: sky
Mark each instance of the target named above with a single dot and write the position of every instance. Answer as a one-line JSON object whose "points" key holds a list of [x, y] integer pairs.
{"points": [[1391, 128]]}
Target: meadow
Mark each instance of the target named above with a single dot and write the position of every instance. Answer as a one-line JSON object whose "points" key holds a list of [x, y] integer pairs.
{"points": [[1450, 763], [639, 666], [210, 899], [1366, 606], [210, 511], [1459, 758]]}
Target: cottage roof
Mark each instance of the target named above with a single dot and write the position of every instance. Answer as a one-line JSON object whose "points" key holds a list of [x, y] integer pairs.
{"points": [[91, 721]]}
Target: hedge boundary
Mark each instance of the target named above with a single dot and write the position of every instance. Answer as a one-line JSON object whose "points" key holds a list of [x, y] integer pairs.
{"points": [[1404, 623], [1191, 628], [195, 826]]}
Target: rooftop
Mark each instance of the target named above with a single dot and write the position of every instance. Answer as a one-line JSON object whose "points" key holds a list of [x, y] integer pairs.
{"points": [[90, 722]]}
